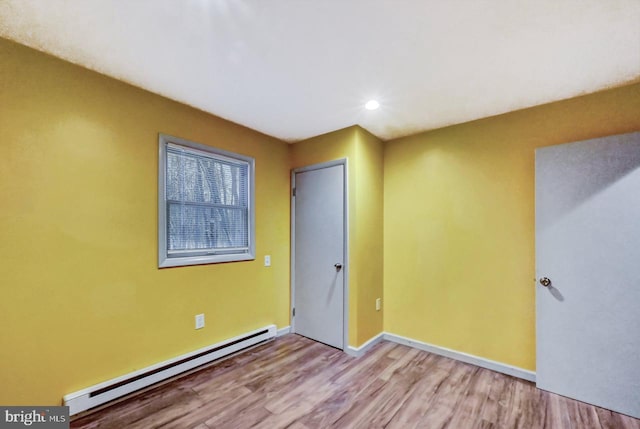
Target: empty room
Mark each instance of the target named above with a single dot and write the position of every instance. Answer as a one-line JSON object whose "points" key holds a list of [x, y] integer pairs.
{"points": [[320, 214]]}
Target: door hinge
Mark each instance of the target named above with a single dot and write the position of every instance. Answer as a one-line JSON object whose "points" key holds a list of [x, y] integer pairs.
{"points": [[293, 312], [293, 192]]}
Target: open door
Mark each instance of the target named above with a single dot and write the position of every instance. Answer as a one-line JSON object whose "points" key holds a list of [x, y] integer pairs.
{"points": [[588, 267]]}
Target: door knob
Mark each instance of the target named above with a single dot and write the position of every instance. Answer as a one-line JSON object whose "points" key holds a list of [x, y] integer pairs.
{"points": [[338, 267], [545, 281]]}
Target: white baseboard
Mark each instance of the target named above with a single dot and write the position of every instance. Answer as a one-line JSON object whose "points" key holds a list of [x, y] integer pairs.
{"points": [[359, 351], [283, 331], [503, 368], [109, 390], [463, 357]]}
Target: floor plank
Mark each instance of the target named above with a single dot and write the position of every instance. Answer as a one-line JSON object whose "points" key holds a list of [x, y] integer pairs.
{"points": [[293, 382]]}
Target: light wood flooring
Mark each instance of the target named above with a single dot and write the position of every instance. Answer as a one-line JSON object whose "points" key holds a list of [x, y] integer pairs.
{"points": [[296, 383]]}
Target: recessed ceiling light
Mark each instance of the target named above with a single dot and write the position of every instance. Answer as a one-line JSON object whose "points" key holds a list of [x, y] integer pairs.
{"points": [[372, 105]]}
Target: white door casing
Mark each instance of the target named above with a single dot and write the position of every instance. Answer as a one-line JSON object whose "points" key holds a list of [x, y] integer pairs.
{"points": [[588, 245], [319, 263]]}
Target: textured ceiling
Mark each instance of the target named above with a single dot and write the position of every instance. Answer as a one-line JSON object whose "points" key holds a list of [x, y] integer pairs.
{"points": [[294, 69]]}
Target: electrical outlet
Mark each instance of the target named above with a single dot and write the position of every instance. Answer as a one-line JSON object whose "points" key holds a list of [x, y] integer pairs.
{"points": [[199, 321], [378, 304], [267, 260]]}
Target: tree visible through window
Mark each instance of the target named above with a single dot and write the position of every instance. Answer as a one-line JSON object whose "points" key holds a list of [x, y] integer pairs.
{"points": [[206, 208]]}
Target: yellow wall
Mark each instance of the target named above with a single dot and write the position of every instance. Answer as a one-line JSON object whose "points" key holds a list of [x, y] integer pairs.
{"points": [[459, 223], [82, 299], [368, 245], [364, 154]]}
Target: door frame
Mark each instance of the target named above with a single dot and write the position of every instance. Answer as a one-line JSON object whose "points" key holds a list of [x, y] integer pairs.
{"points": [[345, 250]]}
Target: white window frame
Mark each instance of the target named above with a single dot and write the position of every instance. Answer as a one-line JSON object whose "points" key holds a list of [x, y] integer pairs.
{"points": [[197, 257]]}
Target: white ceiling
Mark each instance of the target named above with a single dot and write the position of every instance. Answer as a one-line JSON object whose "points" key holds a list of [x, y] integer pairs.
{"points": [[294, 69]]}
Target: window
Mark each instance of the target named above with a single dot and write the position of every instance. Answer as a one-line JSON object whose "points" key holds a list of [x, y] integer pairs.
{"points": [[205, 204]]}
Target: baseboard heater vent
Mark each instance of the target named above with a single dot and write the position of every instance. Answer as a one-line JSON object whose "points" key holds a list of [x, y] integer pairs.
{"points": [[112, 389]]}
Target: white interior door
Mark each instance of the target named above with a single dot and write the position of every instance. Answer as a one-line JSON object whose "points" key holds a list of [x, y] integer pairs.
{"points": [[588, 246], [318, 292]]}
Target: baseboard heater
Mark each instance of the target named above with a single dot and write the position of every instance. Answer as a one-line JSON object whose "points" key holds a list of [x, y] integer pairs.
{"points": [[112, 389]]}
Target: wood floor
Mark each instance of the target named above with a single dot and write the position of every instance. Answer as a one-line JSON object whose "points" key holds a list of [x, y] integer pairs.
{"points": [[296, 383]]}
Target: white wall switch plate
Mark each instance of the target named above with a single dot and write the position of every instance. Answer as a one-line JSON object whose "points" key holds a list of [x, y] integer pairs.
{"points": [[378, 304], [267, 260], [199, 321]]}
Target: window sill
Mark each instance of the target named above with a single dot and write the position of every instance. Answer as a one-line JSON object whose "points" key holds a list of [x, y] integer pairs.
{"points": [[203, 260]]}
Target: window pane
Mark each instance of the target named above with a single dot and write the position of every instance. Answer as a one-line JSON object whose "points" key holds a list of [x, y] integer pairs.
{"points": [[194, 178], [192, 227]]}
